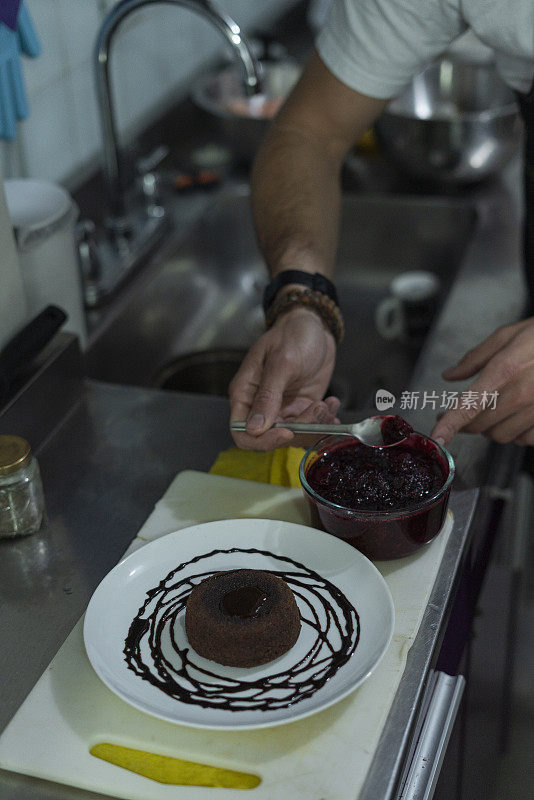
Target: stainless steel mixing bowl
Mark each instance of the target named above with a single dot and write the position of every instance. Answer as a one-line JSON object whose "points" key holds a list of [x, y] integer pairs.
{"points": [[242, 121], [456, 123]]}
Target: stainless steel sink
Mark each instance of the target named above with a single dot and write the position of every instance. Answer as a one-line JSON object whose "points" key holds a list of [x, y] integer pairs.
{"points": [[188, 319]]}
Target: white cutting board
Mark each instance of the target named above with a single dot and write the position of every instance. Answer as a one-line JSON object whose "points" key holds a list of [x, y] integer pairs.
{"points": [[323, 757]]}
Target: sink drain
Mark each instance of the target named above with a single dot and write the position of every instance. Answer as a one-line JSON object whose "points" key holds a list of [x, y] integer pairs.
{"points": [[202, 372]]}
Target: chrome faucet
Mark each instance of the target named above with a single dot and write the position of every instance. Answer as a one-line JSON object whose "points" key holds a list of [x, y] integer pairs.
{"points": [[132, 231]]}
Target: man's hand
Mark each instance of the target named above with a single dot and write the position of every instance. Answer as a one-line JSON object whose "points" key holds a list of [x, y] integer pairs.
{"points": [[283, 377], [505, 363]]}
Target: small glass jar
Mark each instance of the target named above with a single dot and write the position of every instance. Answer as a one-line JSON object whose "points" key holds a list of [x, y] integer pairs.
{"points": [[21, 489]]}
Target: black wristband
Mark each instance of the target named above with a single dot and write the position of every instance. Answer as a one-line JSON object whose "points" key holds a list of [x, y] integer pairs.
{"points": [[316, 282]]}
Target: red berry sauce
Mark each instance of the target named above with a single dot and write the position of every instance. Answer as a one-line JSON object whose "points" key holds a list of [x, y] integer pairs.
{"points": [[372, 479], [386, 494]]}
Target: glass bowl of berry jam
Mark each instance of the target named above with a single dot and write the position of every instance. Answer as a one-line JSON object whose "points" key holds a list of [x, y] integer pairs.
{"points": [[385, 501]]}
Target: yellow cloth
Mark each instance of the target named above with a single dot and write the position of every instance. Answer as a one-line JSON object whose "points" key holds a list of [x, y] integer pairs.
{"points": [[280, 467]]}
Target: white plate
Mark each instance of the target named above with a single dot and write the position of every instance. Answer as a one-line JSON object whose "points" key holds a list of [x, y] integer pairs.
{"points": [[120, 597]]}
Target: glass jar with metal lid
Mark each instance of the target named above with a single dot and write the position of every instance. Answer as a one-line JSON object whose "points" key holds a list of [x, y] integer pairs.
{"points": [[21, 489]]}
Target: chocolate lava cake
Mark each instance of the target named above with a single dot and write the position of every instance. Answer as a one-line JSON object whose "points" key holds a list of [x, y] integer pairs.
{"points": [[242, 618]]}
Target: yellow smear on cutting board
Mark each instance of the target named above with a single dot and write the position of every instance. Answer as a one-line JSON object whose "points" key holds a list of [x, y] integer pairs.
{"points": [[279, 467], [165, 769]]}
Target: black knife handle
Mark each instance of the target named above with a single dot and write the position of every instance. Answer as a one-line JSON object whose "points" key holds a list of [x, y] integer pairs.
{"points": [[29, 341]]}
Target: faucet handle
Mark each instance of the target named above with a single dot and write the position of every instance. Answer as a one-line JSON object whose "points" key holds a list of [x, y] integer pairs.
{"points": [[149, 162], [146, 167], [89, 260]]}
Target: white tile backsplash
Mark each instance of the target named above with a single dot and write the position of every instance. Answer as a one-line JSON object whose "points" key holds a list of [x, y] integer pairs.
{"points": [[11, 159], [85, 113], [153, 58], [40, 72], [48, 138], [80, 20], [146, 63]]}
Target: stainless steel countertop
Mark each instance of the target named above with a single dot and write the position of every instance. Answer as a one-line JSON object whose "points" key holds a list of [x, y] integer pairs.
{"points": [[119, 447], [103, 470]]}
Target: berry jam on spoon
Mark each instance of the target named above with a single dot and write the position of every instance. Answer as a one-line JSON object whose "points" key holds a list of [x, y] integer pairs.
{"points": [[394, 429]]}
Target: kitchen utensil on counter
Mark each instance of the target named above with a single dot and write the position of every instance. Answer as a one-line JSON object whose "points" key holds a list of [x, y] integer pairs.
{"points": [[347, 623], [369, 431], [28, 343], [408, 311], [392, 531], [242, 121], [43, 217], [456, 123]]}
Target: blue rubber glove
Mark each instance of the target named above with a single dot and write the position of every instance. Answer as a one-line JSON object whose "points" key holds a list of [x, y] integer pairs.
{"points": [[13, 103]]}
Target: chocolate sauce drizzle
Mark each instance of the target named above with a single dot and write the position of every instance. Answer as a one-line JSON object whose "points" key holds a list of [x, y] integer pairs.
{"points": [[153, 653]]}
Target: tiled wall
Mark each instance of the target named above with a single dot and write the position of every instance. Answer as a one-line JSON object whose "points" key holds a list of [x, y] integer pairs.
{"points": [[156, 52]]}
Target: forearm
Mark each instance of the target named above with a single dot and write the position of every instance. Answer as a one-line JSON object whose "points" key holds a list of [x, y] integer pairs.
{"points": [[295, 202], [295, 178]]}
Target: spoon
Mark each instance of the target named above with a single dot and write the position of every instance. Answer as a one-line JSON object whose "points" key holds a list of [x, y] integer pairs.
{"points": [[368, 431]]}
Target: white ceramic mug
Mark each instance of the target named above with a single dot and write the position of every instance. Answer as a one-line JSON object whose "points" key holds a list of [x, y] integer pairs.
{"points": [[408, 311]]}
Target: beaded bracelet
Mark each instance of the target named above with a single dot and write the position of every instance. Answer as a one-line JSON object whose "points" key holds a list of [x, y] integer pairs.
{"points": [[315, 301]]}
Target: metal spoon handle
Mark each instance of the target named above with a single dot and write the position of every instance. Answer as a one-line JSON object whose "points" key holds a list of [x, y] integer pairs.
{"points": [[303, 427]]}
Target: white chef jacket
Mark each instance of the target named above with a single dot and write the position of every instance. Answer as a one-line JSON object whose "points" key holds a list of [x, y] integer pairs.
{"points": [[376, 46]]}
